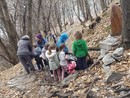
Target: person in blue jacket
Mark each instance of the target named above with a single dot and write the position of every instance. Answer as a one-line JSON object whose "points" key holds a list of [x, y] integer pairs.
{"points": [[40, 40], [62, 39]]}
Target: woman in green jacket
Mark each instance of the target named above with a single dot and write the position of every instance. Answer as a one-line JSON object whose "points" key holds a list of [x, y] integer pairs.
{"points": [[80, 50]]}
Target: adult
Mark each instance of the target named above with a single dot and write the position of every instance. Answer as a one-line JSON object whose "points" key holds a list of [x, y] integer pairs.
{"points": [[51, 38], [45, 33], [62, 39], [40, 40], [25, 53]]}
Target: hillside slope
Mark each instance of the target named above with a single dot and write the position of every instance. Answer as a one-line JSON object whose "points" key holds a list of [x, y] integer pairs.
{"points": [[14, 83]]}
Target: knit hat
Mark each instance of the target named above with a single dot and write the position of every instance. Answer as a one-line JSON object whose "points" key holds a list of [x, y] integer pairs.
{"points": [[39, 36], [64, 36]]}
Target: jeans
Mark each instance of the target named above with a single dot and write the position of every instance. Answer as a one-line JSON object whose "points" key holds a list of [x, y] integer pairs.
{"points": [[81, 63], [26, 61], [39, 62]]}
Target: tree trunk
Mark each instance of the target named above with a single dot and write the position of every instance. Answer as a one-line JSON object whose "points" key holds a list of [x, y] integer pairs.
{"points": [[78, 14], [24, 20], [95, 8], [39, 11], [29, 17], [126, 22], [103, 4], [10, 29], [6, 53], [58, 17], [88, 12]]}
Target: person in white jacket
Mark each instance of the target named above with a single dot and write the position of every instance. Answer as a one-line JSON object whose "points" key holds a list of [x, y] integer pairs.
{"points": [[63, 61], [51, 55]]}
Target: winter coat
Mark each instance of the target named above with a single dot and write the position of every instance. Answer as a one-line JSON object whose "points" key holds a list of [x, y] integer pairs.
{"points": [[63, 61], [24, 46], [51, 38], [37, 51], [79, 48], [42, 43], [62, 39], [43, 54], [53, 59]]}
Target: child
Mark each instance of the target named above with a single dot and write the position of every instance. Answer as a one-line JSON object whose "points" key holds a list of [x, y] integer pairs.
{"points": [[51, 54], [63, 61], [43, 54], [38, 59], [62, 39], [80, 50]]}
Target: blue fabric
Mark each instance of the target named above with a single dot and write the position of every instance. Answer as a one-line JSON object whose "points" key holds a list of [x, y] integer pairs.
{"points": [[37, 51], [41, 45], [62, 39]]}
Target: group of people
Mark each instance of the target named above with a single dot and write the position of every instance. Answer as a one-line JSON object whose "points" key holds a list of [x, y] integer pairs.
{"points": [[51, 51]]}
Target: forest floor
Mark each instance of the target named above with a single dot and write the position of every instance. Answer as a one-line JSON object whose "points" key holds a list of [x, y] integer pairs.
{"points": [[91, 83]]}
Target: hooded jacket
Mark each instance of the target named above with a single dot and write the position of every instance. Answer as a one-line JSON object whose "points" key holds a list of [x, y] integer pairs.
{"points": [[63, 61], [53, 59], [62, 39], [24, 46], [80, 48]]}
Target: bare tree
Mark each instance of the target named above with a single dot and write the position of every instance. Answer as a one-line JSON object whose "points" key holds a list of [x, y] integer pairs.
{"points": [[103, 4], [126, 22], [11, 31], [29, 18]]}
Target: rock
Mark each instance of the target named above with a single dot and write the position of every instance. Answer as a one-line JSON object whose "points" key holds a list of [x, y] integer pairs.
{"points": [[118, 51], [114, 77], [20, 82], [122, 93], [107, 69], [108, 59], [102, 53], [125, 95], [109, 42], [69, 78], [117, 54]]}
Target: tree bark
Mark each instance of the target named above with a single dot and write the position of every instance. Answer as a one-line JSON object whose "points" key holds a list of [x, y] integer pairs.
{"points": [[103, 4], [10, 29], [126, 22], [88, 12], [29, 17], [39, 11]]}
